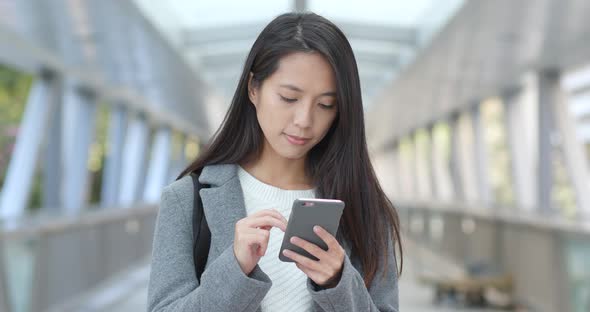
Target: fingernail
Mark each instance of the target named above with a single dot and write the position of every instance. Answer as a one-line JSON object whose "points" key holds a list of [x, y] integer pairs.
{"points": [[316, 228], [293, 239]]}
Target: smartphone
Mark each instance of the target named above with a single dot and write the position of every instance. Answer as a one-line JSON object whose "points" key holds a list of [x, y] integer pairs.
{"points": [[305, 214]]}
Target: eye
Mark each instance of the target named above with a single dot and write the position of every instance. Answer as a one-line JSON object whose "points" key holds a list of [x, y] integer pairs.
{"points": [[324, 106], [288, 100]]}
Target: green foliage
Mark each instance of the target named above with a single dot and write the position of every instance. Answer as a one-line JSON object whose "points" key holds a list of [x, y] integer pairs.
{"points": [[14, 89], [98, 152]]}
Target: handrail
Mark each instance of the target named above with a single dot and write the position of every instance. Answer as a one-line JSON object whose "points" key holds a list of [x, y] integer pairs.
{"points": [[44, 225], [505, 214]]}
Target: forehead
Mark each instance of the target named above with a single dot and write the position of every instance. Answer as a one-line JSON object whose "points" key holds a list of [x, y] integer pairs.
{"points": [[309, 71]]}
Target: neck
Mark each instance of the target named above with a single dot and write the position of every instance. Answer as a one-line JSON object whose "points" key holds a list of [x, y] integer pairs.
{"points": [[273, 169]]}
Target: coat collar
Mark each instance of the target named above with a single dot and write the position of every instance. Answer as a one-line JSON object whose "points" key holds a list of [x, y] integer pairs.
{"points": [[216, 175]]}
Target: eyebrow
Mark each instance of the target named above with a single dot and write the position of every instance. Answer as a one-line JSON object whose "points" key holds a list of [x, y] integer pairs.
{"points": [[294, 88]]}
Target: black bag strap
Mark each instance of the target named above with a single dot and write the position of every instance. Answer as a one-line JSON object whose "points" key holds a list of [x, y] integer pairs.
{"points": [[201, 233]]}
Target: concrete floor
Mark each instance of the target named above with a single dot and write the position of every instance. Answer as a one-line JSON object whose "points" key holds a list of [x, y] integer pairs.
{"points": [[414, 297]]}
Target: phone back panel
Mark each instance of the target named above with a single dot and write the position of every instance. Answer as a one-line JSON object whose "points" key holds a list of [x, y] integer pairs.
{"points": [[325, 213]]}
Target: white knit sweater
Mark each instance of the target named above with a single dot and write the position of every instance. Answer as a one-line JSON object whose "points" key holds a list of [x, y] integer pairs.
{"points": [[288, 291]]}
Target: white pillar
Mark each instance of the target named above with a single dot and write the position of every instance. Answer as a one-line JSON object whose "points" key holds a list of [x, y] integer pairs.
{"points": [[134, 156], [159, 165], [79, 117], [21, 169]]}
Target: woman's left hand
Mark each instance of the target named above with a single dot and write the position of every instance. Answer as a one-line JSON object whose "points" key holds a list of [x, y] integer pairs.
{"points": [[326, 271]]}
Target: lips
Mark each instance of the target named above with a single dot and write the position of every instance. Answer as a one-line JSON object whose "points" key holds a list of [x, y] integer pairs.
{"points": [[297, 140]]}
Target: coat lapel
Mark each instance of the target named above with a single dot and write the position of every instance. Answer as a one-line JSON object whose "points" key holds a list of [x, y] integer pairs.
{"points": [[223, 203]]}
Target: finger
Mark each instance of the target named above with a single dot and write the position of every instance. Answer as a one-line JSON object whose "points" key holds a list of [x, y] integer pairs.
{"points": [[278, 215], [303, 260], [256, 231], [268, 213], [309, 272], [260, 221], [319, 277], [312, 248], [328, 238], [271, 212], [258, 240], [264, 221], [263, 246], [258, 237], [268, 221]]}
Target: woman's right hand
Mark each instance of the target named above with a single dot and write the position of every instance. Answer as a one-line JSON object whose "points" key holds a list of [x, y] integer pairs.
{"points": [[252, 234]]}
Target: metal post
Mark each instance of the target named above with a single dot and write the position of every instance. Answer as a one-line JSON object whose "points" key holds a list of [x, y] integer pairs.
{"points": [[134, 156], [159, 165], [416, 168], [79, 117], [520, 128], [52, 165], [433, 156], [114, 156], [396, 170], [406, 182], [481, 157], [455, 161], [421, 156], [548, 95], [21, 169], [575, 155], [465, 162]]}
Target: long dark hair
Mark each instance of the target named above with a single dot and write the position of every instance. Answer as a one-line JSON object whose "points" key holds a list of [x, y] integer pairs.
{"points": [[339, 165]]}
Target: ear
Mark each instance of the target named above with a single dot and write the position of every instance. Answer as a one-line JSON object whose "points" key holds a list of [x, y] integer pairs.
{"points": [[252, 90]]}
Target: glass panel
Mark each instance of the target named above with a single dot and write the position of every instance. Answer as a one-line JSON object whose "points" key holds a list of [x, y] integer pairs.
{"points": [[578, 253], [19, 263]]}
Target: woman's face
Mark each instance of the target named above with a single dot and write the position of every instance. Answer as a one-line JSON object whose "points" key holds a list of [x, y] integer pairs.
{"points": [[296, 105]]}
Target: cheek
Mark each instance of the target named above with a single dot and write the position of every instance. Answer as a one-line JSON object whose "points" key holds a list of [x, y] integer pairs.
{"points": [[326, 122], [270, 117]]}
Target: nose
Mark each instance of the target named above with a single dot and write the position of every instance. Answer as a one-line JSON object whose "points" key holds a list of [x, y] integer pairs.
{"points": [[303, 116]]}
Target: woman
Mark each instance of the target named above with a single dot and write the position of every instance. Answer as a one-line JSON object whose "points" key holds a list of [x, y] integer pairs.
{"points": [[294, 129]]}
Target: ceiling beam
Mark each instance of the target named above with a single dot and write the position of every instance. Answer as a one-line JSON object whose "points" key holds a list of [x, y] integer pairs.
{"points": [[203, 36], [236, 59]]}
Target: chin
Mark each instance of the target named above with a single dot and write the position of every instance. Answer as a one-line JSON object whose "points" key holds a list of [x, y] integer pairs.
{"points": [[293, 156]]}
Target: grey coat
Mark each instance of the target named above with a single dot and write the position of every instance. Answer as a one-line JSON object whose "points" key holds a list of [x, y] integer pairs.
{"points": [[224, 287]]}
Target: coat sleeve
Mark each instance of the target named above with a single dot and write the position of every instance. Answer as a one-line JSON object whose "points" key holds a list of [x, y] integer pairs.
{"points": [[173, 285], [351, 294]]}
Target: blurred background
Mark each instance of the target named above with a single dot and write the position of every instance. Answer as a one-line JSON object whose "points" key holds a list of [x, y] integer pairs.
{"points": [[477, 115]]}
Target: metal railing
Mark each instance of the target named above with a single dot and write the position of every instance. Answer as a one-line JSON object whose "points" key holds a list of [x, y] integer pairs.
{"points": [[46, 262], [545, 256]]}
